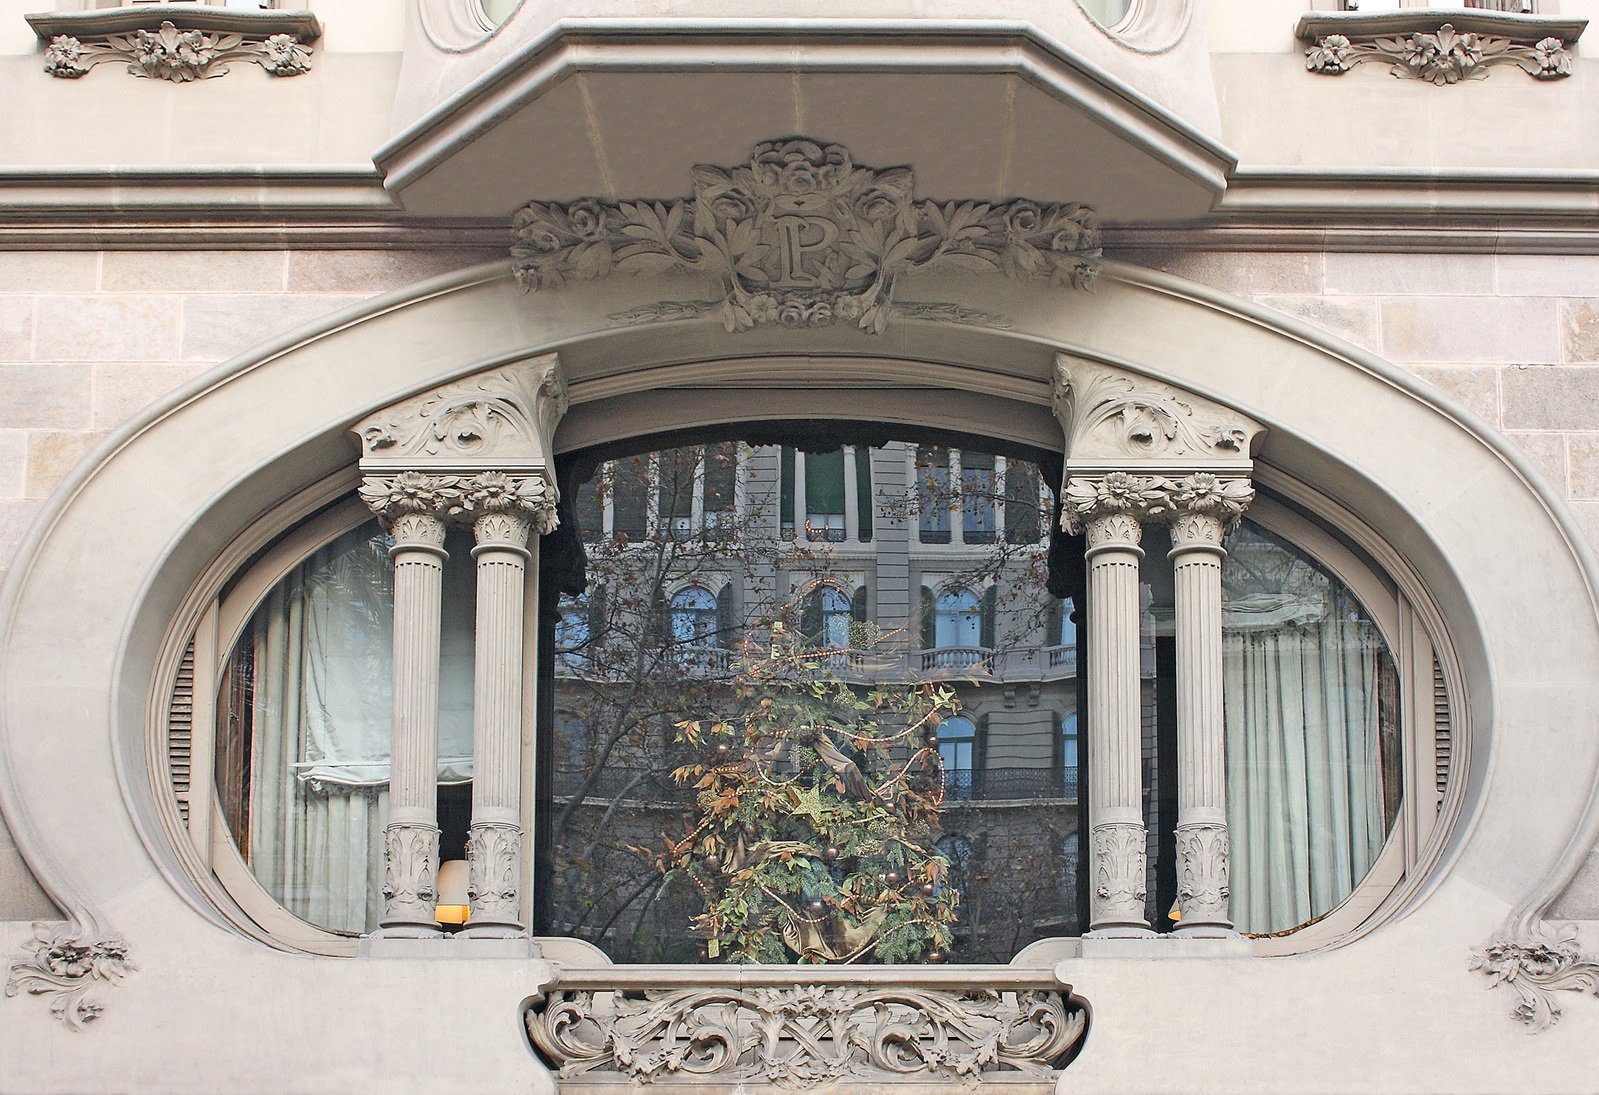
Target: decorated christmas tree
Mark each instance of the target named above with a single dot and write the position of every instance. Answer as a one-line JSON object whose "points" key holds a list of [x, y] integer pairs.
{"points": [[817, 817]]}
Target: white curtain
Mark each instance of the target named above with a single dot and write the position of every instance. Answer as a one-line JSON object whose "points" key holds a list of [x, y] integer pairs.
{"points": [[322, 651], [1302, 674]]}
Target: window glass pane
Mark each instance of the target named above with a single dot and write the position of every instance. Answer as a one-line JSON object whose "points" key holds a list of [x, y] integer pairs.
{"points": [[824, 495], [1311, 709], [863, 490], [1108, 13], [933, 493], [1025, 498], [304, 722], [675, 471], [695, 762], [630, 486], [979, 492]]}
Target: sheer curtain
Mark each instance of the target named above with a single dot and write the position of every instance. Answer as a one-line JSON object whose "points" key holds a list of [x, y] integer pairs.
{"points": [[321, 648], [1304, 673]]}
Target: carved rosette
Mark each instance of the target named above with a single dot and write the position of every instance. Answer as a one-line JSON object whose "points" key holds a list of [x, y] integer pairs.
{"points": [[493, 850], [64, 964], [1203, 507], [504, 507], [1537, 966], [1202, 882], [177, 55], [1120, 857], [409, 854], [804, 1036], [406, 493], [803, 237]]}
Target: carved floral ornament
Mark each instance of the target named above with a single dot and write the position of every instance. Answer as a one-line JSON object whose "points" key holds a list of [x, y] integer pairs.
{"points": [[177, 55], [801, 1036], [1151, 497], [1536, 966], [1444, 56], [802, 236], [65, 963]]}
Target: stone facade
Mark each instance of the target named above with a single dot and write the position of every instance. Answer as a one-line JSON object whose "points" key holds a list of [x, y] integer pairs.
{"points": [[208, 278]]}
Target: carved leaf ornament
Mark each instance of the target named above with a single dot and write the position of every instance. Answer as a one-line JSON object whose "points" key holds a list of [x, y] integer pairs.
{"points": [[805, 1035], [1446, 56], [65, 963], [1537, 967], [179, 56], [801, 236]]}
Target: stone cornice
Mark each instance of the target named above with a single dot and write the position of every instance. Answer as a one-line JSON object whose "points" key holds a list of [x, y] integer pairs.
{"points": [[303, 25], [1504, 24]]}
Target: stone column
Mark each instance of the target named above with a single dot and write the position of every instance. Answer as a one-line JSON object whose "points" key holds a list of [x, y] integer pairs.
{"points": [[1108, 510], [1203, 509], [412, 507], [508, 509]]}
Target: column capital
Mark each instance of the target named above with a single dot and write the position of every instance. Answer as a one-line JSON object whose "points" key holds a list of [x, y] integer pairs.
{"points": [[1203, 507], [1112, 501]]}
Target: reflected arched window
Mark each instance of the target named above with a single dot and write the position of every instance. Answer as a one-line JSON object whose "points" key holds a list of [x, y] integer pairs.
{"points": [[694, 617], [957, 619], [828, 613], [957, 742], [572, 632], [1068, 755]]}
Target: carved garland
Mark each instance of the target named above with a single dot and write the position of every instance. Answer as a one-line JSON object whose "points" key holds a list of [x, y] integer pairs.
{"points": [[805, 1035], [1150, 496], [65, 963], [801, 236], [1446, 56], [179, 56], [393, 496], [1537, 967]]}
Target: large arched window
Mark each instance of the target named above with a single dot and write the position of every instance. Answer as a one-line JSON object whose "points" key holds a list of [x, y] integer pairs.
{"points": [[1314, 690]]}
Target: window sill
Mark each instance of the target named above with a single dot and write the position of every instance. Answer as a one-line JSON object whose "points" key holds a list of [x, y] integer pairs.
{"points": [[303, 25], [1519, 28]]}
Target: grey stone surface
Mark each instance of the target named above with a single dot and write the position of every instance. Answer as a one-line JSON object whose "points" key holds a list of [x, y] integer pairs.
{"points": [[1583, 455], [217, 327], [21, 897], [1474, 386], [106, 328], [44, 396], [1353, 318], [1469, 329], [1409, 274], [375, 271], [1555, 397], [192, 271], [1579, 330], [1548, 452]]}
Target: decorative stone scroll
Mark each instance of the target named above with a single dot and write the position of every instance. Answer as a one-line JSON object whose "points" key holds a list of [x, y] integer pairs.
{"points": [[66, 962], [834, 1028], [802, 236], [1444, 56], [1536, 967], [1116, 420], [200, 45]]}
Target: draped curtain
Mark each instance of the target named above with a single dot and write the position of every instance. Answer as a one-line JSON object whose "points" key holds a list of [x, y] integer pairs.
{"points": [[320, 715], [1303, 675]]}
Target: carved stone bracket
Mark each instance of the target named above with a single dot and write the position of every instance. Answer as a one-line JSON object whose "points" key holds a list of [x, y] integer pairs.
{"points": [[474, 446], [802, 236], [200, 45], [1536, 967], [1465, 48], [65, 963], [842, 1029]]}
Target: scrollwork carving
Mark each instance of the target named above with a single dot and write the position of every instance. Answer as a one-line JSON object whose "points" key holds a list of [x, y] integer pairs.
{"points": [[1119, 872], [470, 421], [802, 1036], [802, 237], [492, 851], [1536, 967], [65, 963], [1111, 414], [176, 55], [410, 853], [1203, 858], [1444, 56]]}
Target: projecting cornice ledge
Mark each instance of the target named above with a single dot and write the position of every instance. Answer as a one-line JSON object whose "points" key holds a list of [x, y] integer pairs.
{"points": [[1018, 113]]}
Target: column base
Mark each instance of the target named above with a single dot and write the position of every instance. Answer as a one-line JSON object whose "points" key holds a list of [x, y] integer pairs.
{"points": [[1121, 931], [490, 929], [1203, 930], [407, 930]]}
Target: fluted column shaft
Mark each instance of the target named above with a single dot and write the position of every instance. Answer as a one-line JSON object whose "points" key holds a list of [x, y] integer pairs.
{"points": [[1202, 841], [1116, 812], [495, 844], [411, 839]]}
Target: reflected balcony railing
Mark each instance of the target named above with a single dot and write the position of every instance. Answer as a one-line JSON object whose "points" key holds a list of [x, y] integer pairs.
{"points": [[655, 785], [971, 659]]}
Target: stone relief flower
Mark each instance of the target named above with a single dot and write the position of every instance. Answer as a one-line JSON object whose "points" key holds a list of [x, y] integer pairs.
{"points": [[1546, 961], [587, 218], [64, 57], [173, 54], [1203, 492], [65, 964], [1444, 57], [1023, 218], [1329, 54], [410, 492], [1552, 58], [283, 55]]}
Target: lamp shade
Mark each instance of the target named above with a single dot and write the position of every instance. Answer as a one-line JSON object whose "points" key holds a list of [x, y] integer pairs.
{"points": [[454, 905]]}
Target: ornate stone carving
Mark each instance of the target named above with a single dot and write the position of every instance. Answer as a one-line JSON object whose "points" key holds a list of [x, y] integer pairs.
{"points": [[1119, 872], [1536, 967], [411, 492], [492, 850], [1444, 56], [168, 53], [65, 963], [802, 236], [528, 498], [1114, 418], [1203, 868], [1090, 501], [409, 853], [482, 421], [501, 501], [805, 1035]]}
